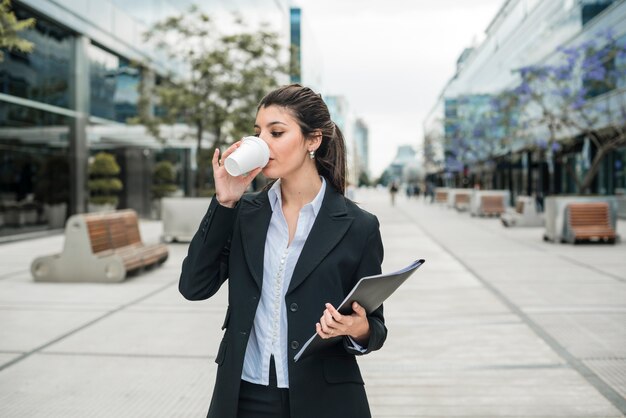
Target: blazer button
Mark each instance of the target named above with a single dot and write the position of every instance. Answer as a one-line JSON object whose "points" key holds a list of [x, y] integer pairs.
{"points": [[293, 307], [295, 345]]}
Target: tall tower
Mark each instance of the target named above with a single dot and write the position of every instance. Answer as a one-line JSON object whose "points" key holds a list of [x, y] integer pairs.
{"points": [[295, 45]]}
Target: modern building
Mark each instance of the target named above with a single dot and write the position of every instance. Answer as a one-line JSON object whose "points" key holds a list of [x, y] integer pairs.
{"points": [[361, 139], [405, 167], [342, 115], [73, 95], [306, 62], [468, 142]]}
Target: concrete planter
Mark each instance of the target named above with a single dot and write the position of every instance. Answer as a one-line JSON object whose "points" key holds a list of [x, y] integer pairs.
{"points": [[524, 214], [621, 206], [182, 216], [93, 208], [476, 202], [56, 214], [554, 212], [463, 203]]}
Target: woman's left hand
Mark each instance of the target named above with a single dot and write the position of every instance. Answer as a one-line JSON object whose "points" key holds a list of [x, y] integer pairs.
{"points": [[355, 325]]}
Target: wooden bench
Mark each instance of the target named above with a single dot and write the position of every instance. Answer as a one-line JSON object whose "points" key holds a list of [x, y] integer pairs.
{"points": [[441, 197], [589, 221], [491, 205], [102, 247], [461, 200]]}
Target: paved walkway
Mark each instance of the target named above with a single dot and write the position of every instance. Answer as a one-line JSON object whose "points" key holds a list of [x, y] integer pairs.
{"points": [[497, 323]]}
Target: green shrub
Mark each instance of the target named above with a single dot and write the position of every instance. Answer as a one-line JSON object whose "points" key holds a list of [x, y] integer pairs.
{"points": [[163, 180], [103, 184]]}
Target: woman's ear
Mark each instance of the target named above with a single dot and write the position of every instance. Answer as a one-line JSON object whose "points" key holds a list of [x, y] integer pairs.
{"points": [[315, 140]]}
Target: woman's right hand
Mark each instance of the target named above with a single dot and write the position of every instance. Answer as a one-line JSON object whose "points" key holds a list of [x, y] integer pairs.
{"points": [[229, 189]]}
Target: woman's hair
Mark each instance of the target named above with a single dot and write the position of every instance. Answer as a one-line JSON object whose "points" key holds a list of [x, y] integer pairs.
{"points": [[312, 114]]}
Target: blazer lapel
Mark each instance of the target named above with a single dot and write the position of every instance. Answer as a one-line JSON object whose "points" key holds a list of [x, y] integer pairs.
{"points": [[331, 224], [255, 216]]}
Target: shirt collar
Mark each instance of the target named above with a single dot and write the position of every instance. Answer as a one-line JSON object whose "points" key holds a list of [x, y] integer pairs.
{"points": [[275, 197]]}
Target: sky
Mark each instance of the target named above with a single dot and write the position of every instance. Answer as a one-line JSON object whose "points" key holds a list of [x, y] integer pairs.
{"points": [[391, 59]]}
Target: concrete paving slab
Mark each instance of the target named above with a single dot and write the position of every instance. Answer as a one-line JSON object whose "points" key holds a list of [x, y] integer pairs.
{"points": [[577, 308], [154, 332], [612, 371], [579, 294], [99, 386], [25, 330], [21, 291], [7, 357], [17, 256], [403, 391], [588, 335]]}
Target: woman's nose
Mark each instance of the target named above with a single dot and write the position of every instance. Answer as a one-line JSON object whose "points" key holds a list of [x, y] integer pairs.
{"points": [[262, 136]]}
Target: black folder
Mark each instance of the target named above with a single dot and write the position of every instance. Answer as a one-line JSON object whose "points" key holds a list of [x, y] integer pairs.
{"points": [[370, 292]]}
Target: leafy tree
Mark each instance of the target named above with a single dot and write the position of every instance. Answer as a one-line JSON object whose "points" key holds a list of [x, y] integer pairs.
{"points": [[364, 179], [227, 74], [478, 128], [10, 27], [582, 95]]}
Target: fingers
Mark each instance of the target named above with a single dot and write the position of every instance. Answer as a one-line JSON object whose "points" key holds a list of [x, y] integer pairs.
{"points": [[215, 161], [333, 324], [230, 150], [358, 309], [334, 313]]}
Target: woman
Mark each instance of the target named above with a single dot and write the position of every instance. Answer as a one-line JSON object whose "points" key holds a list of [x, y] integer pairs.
{"points": [[291, 254]]}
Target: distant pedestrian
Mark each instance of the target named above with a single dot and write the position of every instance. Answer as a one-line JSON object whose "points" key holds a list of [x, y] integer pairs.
{"points": [[409, 191], [429, 195], [393, 190]]}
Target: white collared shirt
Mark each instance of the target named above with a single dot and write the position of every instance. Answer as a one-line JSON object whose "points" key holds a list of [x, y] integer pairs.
{"points": [[269, 332]]}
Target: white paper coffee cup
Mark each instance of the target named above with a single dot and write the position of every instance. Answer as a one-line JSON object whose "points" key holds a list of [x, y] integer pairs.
{"points": [[252, 153]]}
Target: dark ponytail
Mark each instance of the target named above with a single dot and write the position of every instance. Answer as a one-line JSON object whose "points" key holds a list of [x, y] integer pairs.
{"points": [[312, 115]]}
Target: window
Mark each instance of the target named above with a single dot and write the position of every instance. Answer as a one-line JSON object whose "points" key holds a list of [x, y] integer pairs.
{"points": [[113, 85]]}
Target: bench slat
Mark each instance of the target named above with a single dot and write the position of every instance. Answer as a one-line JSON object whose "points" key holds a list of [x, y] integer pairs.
{"points": [[590, 220]]}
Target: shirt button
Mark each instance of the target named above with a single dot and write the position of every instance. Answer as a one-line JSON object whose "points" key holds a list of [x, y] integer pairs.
{"points": [[295, 345], [293, 307]]}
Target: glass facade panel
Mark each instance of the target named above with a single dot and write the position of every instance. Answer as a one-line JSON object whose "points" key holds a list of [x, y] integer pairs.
{"points": [[44, 74], [113, 85], [34, 169], [295, 69]]}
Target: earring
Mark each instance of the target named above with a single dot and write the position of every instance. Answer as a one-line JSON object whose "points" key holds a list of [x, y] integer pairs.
{"points": [[311, 154]]}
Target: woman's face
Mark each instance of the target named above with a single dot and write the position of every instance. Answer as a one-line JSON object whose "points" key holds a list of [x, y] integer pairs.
{"points": [[288, 149]]}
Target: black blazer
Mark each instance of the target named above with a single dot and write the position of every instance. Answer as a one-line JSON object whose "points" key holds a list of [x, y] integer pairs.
{"points": [[344, 245]]}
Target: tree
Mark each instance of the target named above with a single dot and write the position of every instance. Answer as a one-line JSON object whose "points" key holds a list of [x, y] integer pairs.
{"points": [[227, 74], [10, 27], [581, 96], [478, 128]]}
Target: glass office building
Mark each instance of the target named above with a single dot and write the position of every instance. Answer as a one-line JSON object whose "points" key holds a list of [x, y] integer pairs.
{"points": [[523, 33], [361, 139], [73, 95]]}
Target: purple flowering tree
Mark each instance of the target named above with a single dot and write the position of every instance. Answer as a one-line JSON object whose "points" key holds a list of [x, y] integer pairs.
{"points": [[481, 129], [582, 95]]}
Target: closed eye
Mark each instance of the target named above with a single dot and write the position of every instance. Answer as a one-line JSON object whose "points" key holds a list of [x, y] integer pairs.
{"points": [[277, 134]]}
